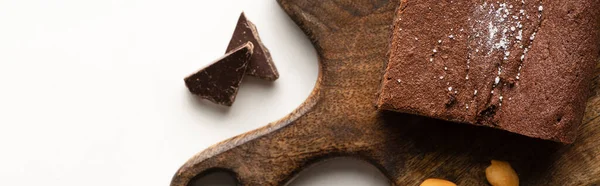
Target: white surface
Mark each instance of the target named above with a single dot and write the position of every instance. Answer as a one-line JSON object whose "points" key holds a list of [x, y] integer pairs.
{"points": [[92, 92]]}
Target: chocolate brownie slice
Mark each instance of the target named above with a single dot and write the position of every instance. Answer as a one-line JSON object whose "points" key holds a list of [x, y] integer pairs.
{"points": [[519, 65]]}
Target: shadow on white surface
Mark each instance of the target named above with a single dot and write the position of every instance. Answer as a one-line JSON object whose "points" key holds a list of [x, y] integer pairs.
{"points": [[219, 178], [339, 171]]}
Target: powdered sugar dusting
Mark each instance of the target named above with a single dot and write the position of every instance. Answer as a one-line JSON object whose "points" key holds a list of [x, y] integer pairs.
{"points": [[502, 31], [499, 30], [531, 38]]}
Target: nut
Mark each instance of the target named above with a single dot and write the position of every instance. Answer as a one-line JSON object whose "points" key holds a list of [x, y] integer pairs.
{"points": [[437, 182], [500, 173]]}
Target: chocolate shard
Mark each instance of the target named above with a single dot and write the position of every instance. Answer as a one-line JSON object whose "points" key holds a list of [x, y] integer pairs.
{"points": [[219, 82], [261, 64]]}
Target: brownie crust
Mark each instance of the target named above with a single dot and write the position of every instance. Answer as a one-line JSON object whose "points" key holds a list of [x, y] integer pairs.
{"points": [[524, 66]]}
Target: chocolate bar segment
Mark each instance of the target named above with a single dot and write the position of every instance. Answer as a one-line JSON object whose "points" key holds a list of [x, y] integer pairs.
{"points": [[219, 82], [521, 66], [261, 64]]}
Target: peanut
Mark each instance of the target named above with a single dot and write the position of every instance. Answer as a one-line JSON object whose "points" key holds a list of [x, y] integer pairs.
{"points": [[500, 173], [437, 182]]}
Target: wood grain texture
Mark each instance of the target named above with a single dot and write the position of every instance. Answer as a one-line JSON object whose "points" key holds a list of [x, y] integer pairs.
{"points": [[339, 119]]}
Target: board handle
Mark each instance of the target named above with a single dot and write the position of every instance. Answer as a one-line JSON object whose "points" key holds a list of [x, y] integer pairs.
{"points": [[251, 157]]}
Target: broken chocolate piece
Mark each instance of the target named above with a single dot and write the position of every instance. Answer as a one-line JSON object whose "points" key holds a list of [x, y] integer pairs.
{"points": [[261, 65], [219, 82]]}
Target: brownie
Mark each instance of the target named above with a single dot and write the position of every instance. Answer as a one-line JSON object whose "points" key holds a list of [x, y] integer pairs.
{"points": [[523, 66], [261, 64], [219, 82]]}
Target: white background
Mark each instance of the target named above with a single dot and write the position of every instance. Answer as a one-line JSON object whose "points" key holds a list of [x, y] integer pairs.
{"points": [[92, 92]]}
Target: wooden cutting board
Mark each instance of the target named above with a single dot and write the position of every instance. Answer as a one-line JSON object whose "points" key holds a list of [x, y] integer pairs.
{"points": [[338, 119]]}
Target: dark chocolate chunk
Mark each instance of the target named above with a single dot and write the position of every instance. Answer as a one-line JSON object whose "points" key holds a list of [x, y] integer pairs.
{"points": [[219, 82], [261, 65]]}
